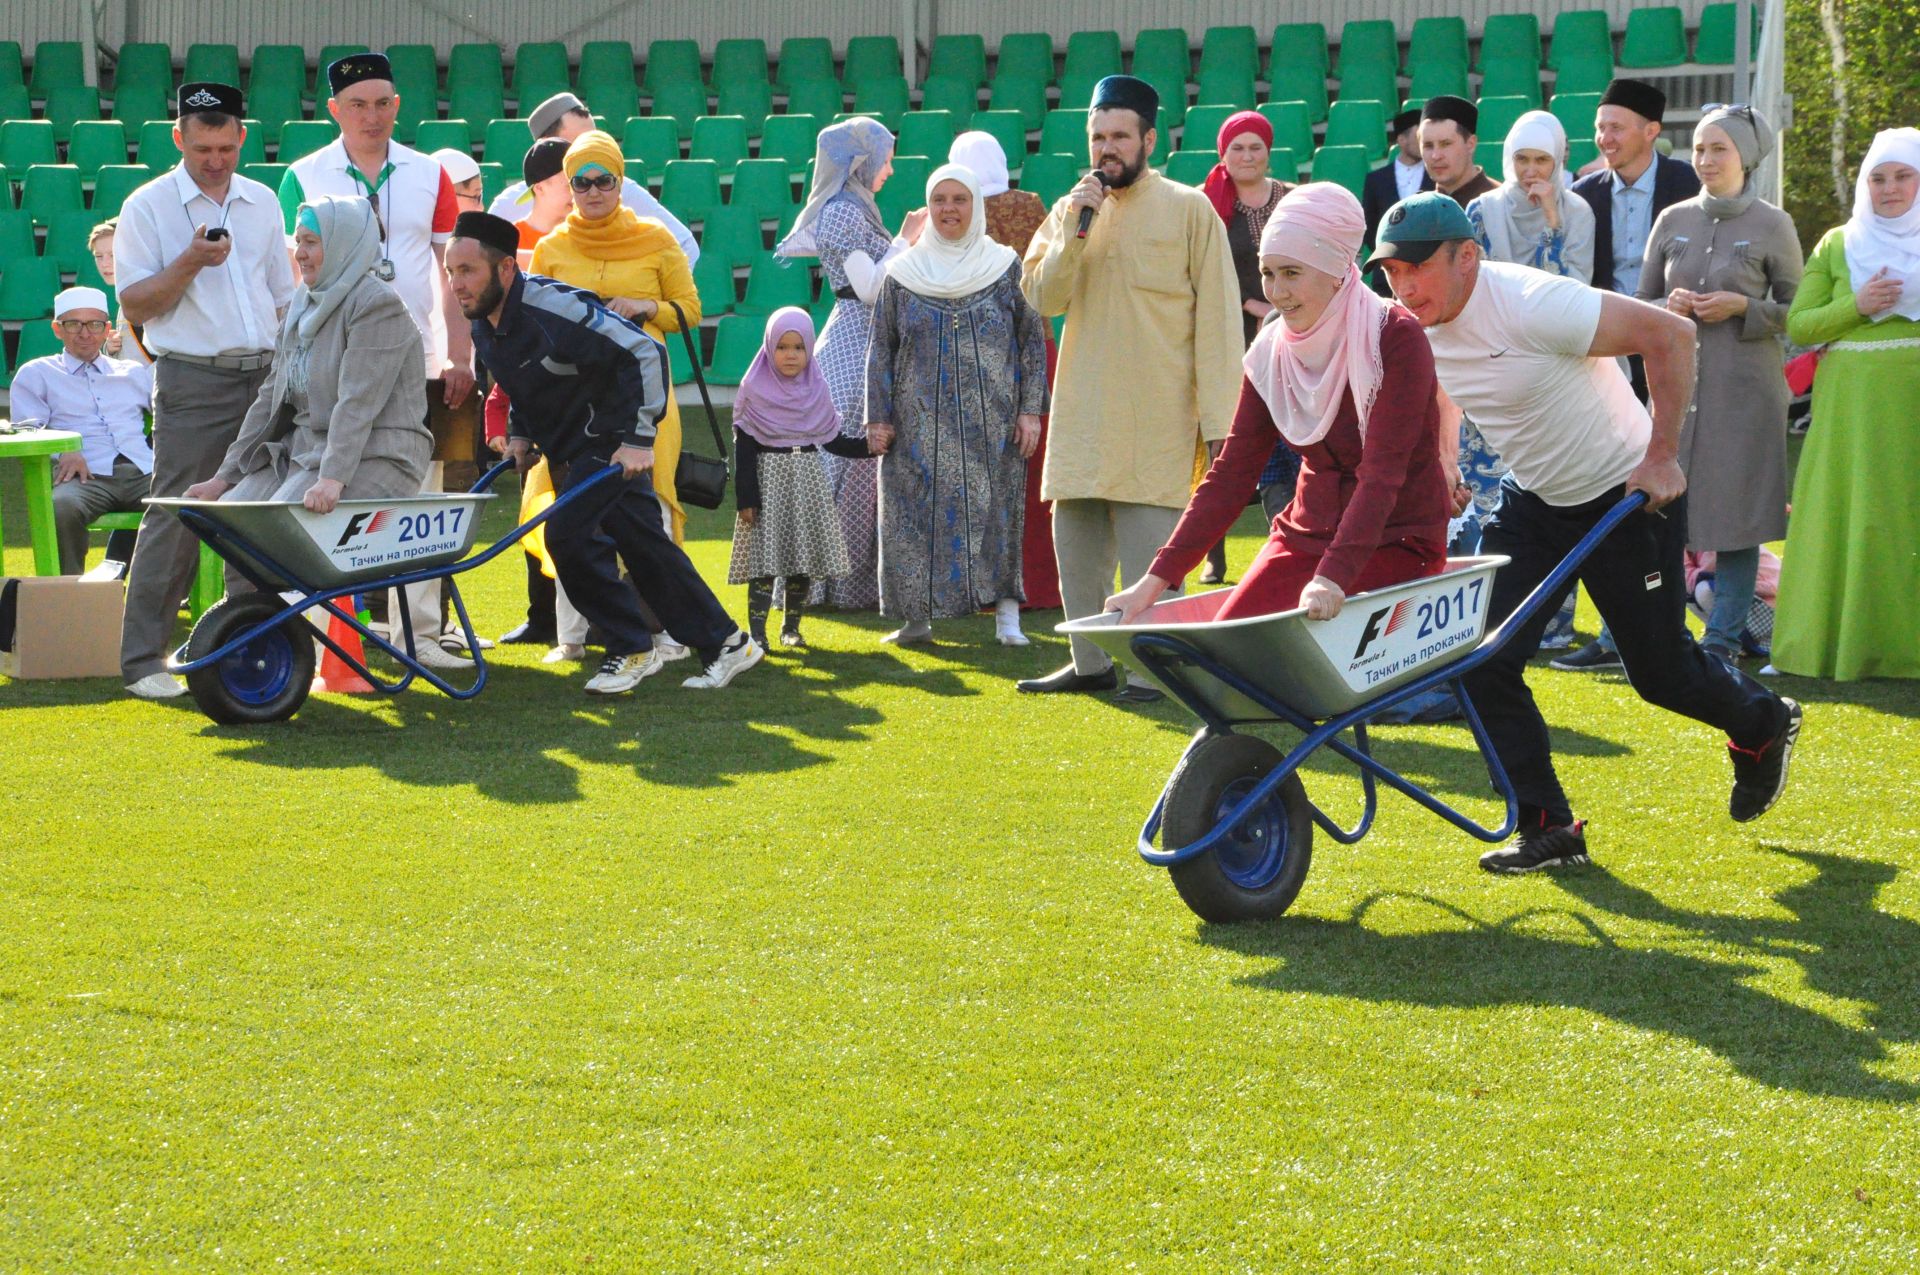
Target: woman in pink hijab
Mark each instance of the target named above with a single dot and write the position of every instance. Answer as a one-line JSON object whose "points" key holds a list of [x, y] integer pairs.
{"points": [[1345, 378]]}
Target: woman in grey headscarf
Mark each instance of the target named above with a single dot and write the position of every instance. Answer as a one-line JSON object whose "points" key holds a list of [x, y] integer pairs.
{"points": [[343, 414], [1731, 262]]}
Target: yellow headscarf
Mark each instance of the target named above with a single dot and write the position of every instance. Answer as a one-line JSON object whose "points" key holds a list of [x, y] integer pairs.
{"points": [[622, 235]]}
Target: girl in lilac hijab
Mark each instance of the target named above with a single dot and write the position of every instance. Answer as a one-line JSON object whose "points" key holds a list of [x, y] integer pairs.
{"points": [[783, 418]]}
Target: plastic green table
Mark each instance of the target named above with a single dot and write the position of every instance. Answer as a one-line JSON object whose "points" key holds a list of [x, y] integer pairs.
{"points": [[35, 450]]}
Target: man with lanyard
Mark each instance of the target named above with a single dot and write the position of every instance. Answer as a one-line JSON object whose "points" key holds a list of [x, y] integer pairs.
{"points": [[413, 200], [201, 263], [565, 117], [588, 387], [1531, 357], [1627, 196], [1390, 183]]}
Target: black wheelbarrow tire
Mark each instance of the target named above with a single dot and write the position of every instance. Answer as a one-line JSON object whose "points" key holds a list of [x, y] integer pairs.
{"points": [[1256, 872], [267, 680]]}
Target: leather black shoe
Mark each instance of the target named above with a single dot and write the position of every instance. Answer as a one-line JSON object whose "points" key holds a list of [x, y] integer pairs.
{"points": [[1067, 680], [1131, 694], [527, 635]]}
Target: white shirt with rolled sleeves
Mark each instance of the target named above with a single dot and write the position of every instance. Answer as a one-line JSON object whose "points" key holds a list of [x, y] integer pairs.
{"points": [[103, 401], [1515, 361], [228, 309], [507, 207]]}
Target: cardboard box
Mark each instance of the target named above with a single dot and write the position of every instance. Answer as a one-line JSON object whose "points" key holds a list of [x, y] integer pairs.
{"points": [[60, 626]]}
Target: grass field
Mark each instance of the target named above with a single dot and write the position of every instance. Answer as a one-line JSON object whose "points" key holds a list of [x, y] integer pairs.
{"points": [[852, 967]]}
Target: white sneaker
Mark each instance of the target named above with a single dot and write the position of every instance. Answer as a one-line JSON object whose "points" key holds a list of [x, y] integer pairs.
{"points": [[457, 642], [669, 649], [909, 633], [564, 652], [433, 655], [735, 658], [156, 686], [621, 673]]}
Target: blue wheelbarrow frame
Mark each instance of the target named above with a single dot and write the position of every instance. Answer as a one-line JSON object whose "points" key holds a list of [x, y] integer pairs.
{"points": [[1169, 658], [250, 559]]}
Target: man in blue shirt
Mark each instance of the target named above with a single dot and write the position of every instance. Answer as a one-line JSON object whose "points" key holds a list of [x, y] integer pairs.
{"points": [[587, 388]]}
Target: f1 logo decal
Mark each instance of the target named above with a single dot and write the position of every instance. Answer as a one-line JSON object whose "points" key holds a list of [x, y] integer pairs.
{"points": [[364, 524], [1394, 617]]}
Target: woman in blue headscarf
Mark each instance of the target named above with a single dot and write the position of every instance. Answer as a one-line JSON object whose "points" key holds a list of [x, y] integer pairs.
{"points": [[841, 225]]}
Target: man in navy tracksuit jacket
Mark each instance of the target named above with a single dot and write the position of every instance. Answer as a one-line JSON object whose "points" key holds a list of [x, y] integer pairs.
{"points": [[587, 389]]}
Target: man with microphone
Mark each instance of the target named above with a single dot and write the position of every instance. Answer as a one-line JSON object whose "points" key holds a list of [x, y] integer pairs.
{"points": [[1149, 366]]}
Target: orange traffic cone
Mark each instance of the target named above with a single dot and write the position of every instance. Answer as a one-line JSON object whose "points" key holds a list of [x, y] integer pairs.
{"points": [[336, 675]]}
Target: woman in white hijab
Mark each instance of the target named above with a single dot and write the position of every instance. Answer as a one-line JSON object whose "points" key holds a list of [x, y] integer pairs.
{"points": [[1850, 585], [1533, 219], [343, 414], [957, 374]]}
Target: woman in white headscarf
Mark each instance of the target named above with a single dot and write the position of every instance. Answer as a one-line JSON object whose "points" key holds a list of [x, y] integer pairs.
{"points": [[1850, 585], [957, 376], [343, 414], [1533, 219]]}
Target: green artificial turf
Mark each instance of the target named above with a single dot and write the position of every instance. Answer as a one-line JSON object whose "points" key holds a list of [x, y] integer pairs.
{"points": [[852, 967]]}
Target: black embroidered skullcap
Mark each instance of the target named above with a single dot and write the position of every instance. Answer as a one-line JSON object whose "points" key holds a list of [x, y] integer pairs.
{"points": [[1124, 92], [206, 96], [1644, 100], [1457, 109], [355, 67], [496, 232], [1401, 123]]}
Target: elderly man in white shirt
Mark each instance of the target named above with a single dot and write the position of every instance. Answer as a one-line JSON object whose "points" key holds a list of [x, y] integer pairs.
{"points": [[202, 263], [102, 399]]}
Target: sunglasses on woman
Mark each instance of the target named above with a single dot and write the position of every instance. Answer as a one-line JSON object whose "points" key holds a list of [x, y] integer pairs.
{"points": [[599, 181]]}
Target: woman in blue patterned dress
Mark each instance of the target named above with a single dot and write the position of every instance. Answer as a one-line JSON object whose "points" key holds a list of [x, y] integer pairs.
{"points": [[841, 224]]}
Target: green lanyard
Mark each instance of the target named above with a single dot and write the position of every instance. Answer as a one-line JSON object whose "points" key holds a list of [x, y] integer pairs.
{"points": [[372, 188]]}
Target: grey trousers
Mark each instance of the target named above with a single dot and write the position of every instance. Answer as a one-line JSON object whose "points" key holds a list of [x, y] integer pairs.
{"points": [[75, 504], [196, 416], [1091, 538]]}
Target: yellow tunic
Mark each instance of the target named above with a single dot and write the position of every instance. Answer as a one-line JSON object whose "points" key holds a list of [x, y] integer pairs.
{"points": [[1149, 366], [662, 275]]}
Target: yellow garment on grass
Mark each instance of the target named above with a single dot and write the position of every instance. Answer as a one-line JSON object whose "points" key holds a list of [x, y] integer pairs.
{"points": [[536, 493]]}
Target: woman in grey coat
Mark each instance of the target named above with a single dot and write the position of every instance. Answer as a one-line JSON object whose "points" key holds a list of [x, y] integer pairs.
{"points": [[1731, 262], [343, 414]]}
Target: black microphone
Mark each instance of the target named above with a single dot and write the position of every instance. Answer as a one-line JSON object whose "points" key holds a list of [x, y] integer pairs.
{"points": [[1086, 214]]}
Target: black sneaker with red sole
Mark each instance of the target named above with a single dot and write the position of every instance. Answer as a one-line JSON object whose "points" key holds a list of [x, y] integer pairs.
{"points": [[1564, 846], [1760, 774]]}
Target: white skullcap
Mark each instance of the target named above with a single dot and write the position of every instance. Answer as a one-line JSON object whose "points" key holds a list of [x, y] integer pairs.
{"points": [[79, 299], [458, 165]]}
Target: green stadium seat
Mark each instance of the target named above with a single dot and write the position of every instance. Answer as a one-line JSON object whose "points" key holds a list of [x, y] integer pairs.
{"points": [[672, 62], [1580, 35], [540, 69], [1283, 163], [928, 133], [1491, 157], [871, 57], [1497, 115], [1437, 41], [137, 101], [495, 178], [905, 190], [1370, 82], [253, 143], [713, 280], [1362, 124], [1064, 132], [11, 63], [148, 62], [26, 142], [218, 63], [1300, 44], [155, 149], [1510, 77], [1436, 79], [1163, 54], [1075, 93], [720, 138], [773, 283], [1173, 111], [16, 234], [1364, 44], [274, 103], [506, 142], [16, 103], [1202, 127], [66, 242], [444, 135], [57, 64], [950, 96], [1190, 168], [114, 182], [1024, 94], [1051, 176], [51, 190], [476, 70], [300, 138], [964, 57], [1028, 53], [736, 341], [27, 289], [94, 144], [331, 53], [1226, 87], [39, 340], [1576, 112], [1304, 84], [268, 175], [607, 81], [691, 189], [740, 60], [416, 72], [1581, 151], [473, 99], [822, 309], [751, 100], [685, 101], [1655, 37], [733, 234], [1230, 50], [1714, 43], [1091, 56], [70, 104], [884, 96], [1510, 35], [654, 140], [1292, 126], [790, 139], [764, 186], [1347, 165], [804, 58], [1010, 130], [276, 63], [820, 98], [1584, 77]]}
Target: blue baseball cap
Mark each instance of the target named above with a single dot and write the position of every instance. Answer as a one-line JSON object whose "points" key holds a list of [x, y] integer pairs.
{"points": [[1413, 229]]}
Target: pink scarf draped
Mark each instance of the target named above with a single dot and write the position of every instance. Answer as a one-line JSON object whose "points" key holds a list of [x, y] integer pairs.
{"points": [[1304, 377]]}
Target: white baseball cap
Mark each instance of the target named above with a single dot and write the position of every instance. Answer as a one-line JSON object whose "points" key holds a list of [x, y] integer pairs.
{"points": [[79, 299], [458, 165]]}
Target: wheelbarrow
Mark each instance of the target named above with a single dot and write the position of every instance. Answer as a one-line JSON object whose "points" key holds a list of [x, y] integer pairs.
{"points": [[1234, 822], [250, 658]]}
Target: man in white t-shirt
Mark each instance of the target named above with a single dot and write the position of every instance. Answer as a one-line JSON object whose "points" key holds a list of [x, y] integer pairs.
{"points": [[1531, 358]]}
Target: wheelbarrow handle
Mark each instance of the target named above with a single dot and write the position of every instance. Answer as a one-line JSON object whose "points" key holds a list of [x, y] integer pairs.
{"points": [[1567, 568]]}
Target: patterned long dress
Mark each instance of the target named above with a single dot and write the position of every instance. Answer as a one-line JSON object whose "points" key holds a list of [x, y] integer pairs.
{"points": [[844, 229], [950, 376]]}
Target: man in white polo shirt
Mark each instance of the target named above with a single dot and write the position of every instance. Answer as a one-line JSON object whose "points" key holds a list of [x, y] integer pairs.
{"points": [[1531, 358], [201, 261]]}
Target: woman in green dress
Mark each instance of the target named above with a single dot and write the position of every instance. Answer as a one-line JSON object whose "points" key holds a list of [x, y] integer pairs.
{"points": [[1850, 583]]}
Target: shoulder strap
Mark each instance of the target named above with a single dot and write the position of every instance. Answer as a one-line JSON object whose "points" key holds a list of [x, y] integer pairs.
{"points": [[699, 378]]}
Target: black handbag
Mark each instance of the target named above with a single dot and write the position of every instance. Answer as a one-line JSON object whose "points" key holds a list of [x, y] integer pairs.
{"points": [[700, 480]]}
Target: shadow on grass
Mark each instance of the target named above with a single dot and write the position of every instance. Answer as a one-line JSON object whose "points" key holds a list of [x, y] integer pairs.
{"points": [[1845, 947]]}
